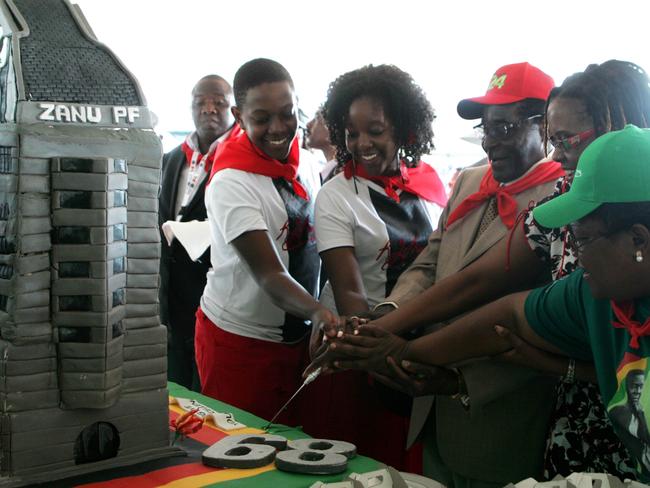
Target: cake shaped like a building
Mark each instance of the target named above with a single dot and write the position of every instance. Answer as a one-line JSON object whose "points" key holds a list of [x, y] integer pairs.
{"points": [[82, 351]]}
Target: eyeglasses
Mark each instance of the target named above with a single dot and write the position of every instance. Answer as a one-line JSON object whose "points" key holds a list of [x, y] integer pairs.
{"points": [[579, 245], [503, 130], [573, 141]]}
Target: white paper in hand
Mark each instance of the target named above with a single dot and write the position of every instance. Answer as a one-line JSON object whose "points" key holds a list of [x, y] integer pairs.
{"points": [[194, 236]]}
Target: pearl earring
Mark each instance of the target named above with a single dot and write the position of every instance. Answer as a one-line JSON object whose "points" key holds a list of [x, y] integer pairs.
{"points": [[639, 257]]}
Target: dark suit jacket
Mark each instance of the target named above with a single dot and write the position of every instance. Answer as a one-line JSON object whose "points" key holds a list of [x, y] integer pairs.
{"points": [[182, 280]]}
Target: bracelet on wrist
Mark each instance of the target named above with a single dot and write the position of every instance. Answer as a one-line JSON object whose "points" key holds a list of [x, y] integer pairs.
{"points": [[570, 375], [388, 304]]}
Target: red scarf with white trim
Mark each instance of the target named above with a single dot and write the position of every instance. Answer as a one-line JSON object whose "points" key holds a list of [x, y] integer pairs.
{"points": [[624, 311], [506, 204], [422, 181], [240, 153], [193, 155], [200, 164]]}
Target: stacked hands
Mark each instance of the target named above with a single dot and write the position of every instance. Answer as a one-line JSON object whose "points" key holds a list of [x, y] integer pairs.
{"points": [[340, 343], [357, 343]]}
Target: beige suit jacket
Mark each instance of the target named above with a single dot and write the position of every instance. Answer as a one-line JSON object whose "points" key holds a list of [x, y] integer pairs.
{"points": [[502, 437]]}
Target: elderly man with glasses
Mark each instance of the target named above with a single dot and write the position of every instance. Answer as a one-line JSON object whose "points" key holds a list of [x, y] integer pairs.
{"points": [[485, 411]]}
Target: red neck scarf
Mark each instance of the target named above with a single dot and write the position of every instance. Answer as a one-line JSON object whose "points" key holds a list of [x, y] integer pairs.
{"points": [[240, 153], [422, 181], [193, 154], [506, 204], [624, 311]]}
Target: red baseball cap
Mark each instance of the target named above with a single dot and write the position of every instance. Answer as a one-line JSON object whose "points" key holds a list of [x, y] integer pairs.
{"points": [[509, 84]]}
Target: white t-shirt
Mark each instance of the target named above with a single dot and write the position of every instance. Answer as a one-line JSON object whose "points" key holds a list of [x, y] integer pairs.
{"points": [[239, 202], [386, 236]]}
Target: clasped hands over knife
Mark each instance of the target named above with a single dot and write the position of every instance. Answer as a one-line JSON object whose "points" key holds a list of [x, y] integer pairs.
{"points": [[356, 343]]}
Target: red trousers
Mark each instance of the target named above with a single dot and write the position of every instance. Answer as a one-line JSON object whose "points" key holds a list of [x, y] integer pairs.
{"points": [[348, 407], [254, 375], [260, 376]]}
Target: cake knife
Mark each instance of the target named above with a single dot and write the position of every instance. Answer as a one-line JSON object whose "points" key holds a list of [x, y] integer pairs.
{"points": [[310, 377]]}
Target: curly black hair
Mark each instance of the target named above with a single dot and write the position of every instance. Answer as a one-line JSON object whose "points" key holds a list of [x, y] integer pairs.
{"points": [[404, 103]]}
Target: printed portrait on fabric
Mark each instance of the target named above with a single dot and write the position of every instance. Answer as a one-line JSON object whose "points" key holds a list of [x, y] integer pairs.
{"points": [[630, 406]]}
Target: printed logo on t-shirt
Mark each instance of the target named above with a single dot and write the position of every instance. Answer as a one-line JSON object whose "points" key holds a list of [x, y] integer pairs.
{"points": [[298, 234], [629, 407], [406, 252]]}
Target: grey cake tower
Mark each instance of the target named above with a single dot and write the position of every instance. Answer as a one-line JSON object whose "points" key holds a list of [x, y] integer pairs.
{"points": [[82, 351]]}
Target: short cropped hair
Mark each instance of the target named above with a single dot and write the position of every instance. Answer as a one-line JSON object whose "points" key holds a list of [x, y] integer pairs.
{"points": [[257, 72]]}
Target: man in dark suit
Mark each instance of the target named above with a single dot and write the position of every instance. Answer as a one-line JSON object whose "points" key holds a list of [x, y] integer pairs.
{"points": [[185, 173]]}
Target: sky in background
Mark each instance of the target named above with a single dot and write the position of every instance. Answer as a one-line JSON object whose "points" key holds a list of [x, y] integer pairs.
{"points": [[451, 48]]}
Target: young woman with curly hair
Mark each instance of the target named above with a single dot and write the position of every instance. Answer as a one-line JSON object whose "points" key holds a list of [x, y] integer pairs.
{"points": [[372, 220]]}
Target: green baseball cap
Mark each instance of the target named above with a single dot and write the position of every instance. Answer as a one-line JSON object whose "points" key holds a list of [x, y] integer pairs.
{"points": [[615, 168]]}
